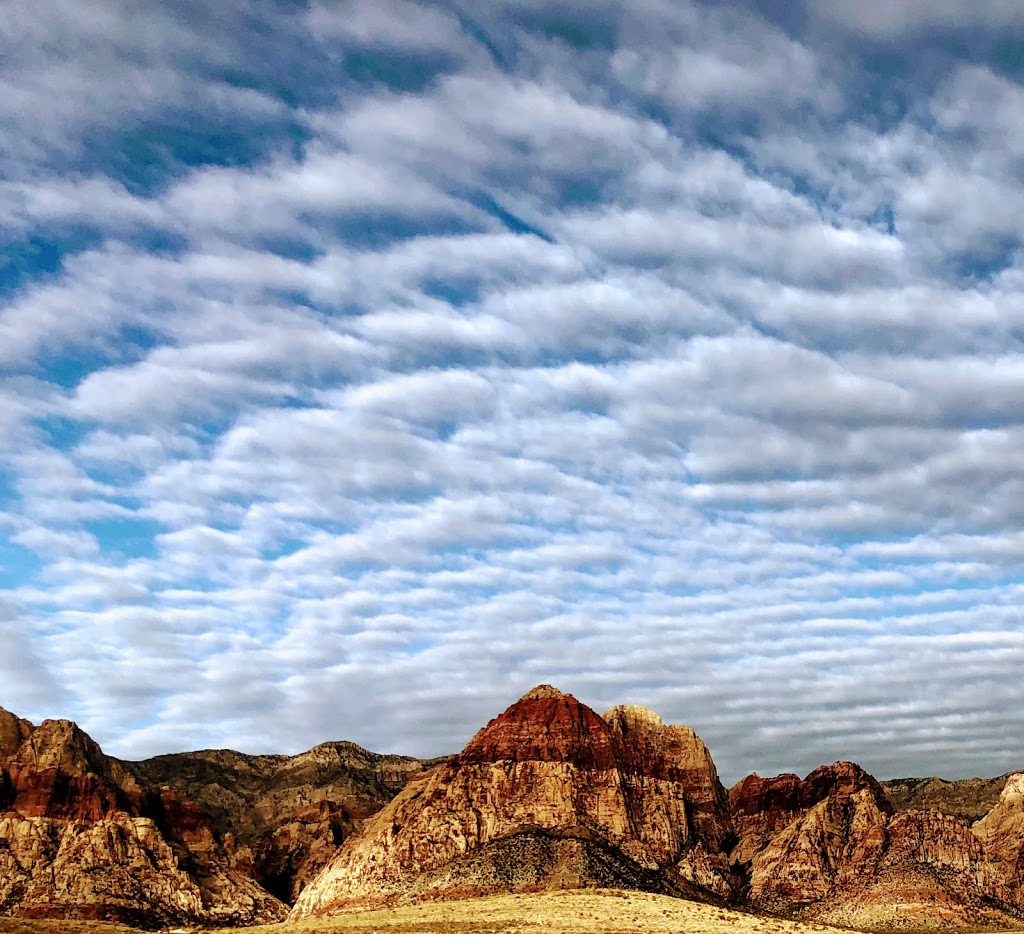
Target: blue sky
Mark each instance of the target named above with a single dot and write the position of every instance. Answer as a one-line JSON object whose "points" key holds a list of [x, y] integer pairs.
{"points": [[365, 364]]}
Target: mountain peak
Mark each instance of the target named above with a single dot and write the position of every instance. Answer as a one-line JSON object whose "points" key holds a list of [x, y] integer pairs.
{"points": [[542, 692], [544, 725]]}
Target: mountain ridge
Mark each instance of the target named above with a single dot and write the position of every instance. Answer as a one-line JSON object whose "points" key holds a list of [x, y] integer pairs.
{"points": [[548, 794]]}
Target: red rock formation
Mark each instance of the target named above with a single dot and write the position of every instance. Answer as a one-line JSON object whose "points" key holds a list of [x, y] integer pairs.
{"points": [[761, 807], [80, 837], [548, 793], [831, 848]]}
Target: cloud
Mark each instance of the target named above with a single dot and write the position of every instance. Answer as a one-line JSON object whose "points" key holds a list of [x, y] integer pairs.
{"points": [[368, 364], [890, 22]]}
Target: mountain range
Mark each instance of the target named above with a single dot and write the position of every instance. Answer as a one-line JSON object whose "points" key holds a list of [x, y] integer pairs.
{"points": [[548, 795]]}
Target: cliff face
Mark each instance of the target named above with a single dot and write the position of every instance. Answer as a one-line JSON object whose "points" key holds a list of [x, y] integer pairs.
{"points": [[81, 837], [286, 814], [547, 794], [1001, 832]]}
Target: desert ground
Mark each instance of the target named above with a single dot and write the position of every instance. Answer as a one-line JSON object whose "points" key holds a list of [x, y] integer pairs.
{"points": [[571, 912]]}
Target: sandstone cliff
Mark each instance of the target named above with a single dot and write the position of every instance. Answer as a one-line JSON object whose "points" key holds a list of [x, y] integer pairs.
{"points": [[81, 837], [1001, 832], [547, 794]]}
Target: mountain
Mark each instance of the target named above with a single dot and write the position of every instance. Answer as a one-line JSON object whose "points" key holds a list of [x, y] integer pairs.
{"points": [[80, 837], [288, 813], [548, 794]]}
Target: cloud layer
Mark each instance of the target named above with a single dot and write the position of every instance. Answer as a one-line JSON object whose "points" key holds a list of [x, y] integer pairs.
{"points": [[367, 364]]}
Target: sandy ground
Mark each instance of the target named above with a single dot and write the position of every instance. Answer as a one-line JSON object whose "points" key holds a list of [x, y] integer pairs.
{"points": [[595, 912]]}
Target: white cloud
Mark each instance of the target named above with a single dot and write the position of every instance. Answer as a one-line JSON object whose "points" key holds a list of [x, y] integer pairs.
{"points": [[607, 356]]}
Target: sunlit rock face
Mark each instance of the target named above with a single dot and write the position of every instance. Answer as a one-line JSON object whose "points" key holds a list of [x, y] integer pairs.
{"points": [[548, 794], [1001, 831], [81, 837]]}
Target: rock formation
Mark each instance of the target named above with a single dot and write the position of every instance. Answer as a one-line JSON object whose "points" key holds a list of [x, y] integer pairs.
{"points": [[81, 837], [1001, 831], [287, 813], [832, 848], [548, 794]]}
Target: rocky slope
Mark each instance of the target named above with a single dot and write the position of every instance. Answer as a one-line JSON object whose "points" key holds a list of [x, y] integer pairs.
{"points": [[289, 813], [81, 837], [548, 794]]}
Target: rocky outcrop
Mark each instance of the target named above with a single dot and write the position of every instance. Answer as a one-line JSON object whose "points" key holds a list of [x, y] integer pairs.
{"points": [[832, 848], [286, 814], [81, 837], [763, 807], [547, 794]]}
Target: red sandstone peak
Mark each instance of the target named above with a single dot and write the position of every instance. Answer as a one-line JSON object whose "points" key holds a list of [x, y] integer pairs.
{"points": [[544, 725], [547, 794]]}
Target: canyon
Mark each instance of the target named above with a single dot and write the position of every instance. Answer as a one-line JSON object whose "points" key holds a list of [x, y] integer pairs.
{"points": [[549, 795]]}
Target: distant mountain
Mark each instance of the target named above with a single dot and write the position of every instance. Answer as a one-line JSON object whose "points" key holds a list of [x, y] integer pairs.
{"points": [[288, 813], [969, 799]]}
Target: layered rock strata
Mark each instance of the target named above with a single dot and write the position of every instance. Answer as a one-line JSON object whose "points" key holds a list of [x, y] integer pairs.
{"points": [[548, 794], [1001, 832]]}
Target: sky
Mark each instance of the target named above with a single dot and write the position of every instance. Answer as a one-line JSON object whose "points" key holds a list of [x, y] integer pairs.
{"points": [[364, 364]]}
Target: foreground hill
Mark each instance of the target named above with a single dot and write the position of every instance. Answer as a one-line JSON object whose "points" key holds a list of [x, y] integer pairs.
{"points": [[600, 911]]}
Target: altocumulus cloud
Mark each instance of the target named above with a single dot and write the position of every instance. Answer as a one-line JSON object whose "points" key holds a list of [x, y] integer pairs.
{"points": [[368, 363]]}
